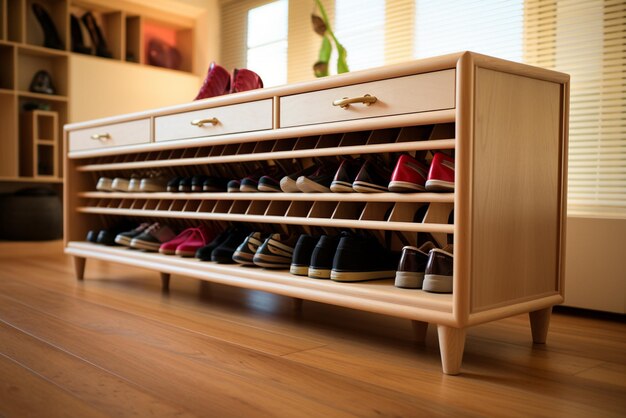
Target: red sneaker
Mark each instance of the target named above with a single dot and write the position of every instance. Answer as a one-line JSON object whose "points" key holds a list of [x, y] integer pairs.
{"points": [[169, 247], [441, 174], [198, 239], [408, 176], [216, 83], [244, 80]]}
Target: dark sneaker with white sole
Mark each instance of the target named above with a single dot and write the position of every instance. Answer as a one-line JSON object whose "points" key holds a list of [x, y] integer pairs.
{"points": [[269, 184], [302, 255], [250, 184], [124, 238], [223, 253], [438, 274], [214, 184], [233, 186], [345, 176], [410, 273], [276, 252], [152, 238], [244, 254], [372, 178], [322, 257], [363, 258]]}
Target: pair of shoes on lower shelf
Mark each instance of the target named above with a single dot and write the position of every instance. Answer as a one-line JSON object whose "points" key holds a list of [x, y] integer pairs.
{"points": [[158, 237], [107, 236], [345, 258], [266, 182], [197, 183], [132, 185], [427, 267]]}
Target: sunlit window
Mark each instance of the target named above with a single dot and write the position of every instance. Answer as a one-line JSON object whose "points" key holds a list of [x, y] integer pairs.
{"points": [[360, 27], [267, 42], [489, 27]]}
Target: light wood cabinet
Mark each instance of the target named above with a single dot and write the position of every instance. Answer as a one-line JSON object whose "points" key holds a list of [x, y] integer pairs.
{"points": [[506, 124]]}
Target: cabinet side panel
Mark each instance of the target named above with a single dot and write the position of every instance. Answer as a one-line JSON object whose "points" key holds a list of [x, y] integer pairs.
{"points": [[516, 191]]}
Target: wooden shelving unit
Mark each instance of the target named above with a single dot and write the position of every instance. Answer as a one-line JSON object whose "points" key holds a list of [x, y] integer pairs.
{"points": [[505, 124], [22, 54]]}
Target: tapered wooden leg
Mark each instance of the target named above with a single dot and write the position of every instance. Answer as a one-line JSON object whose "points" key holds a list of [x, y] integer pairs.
{"points": [[419, 330], [451, 345], [165, 282], [539, 324], [297, 305], [79, 267]]}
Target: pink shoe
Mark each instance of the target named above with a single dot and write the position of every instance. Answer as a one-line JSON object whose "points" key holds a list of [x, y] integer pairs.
{"points": [[198, 239], [244, 80], [216, 83], [170, 246]]}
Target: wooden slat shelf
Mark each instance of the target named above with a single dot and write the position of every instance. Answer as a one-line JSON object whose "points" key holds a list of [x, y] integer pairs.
{"points": [[339, 197], [288, 220], [279, 155], [53, 97], [377, 296]]}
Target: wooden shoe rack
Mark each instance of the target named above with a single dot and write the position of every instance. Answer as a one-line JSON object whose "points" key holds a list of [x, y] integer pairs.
{"points": [[505, 123]]}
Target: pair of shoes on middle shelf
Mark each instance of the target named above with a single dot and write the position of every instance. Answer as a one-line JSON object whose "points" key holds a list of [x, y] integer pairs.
{"points": [[197, 183], [371, 176], [347, 257], [236, 245], [159, 237], [132, 185], [427, 267]]}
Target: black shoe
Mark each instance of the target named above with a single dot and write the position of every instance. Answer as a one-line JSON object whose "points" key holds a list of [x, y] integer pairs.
{"points": [[322, 257], [51, 36], [204, 253], [233, 186], [438, 274], [410, 273], [373, 177], [97, 39], [197, 182], [184, 185], [107, 236], [224, 252], [244, 254], [302, 255], [124, 238], [172, 185], [345, 176], [42, 83], [363, 258], [276, 252], [269, 184], [250, 184], [78, 44], [92, 236], [215, 184]]}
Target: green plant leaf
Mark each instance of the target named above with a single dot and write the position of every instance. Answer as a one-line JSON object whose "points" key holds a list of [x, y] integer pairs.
{"points": [[325, 50], [342, 59]]}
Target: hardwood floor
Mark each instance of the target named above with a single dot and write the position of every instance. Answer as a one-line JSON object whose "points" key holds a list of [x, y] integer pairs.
{"points": [[115, 345]]}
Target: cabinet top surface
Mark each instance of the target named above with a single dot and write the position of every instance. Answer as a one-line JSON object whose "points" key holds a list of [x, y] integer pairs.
{"points": [[398, 70]]}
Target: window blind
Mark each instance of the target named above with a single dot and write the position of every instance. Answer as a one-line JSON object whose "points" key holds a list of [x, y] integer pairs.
{"points": [[584, 38]]}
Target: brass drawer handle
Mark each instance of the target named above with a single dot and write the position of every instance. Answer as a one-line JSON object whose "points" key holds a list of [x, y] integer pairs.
{"points": [[344, 103], [201, 122], [101, 137]]}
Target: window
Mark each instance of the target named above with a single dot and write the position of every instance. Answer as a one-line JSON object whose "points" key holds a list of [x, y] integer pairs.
{"points": [[489, 27], [267, 42], [360, 28]]}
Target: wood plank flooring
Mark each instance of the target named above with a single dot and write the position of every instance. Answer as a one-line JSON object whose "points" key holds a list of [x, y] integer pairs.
{"points": [[116, 345]]}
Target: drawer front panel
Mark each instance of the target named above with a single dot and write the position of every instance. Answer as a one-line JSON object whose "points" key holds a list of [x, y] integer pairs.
{"points": [[245, 117], [114, 135], [410, 94]]}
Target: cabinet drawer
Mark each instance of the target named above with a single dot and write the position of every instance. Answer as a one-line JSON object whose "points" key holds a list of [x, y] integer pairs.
{"points": [[410, 94], [245, 117], [114, 135]]}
